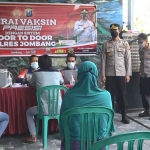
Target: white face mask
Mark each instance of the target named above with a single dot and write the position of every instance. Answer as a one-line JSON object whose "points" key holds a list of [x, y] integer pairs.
{"points": [[34, 65], [70, 65]]}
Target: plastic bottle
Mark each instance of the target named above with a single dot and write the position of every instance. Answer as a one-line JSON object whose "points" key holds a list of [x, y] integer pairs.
{"points": [[72, 81], [9, 79]]}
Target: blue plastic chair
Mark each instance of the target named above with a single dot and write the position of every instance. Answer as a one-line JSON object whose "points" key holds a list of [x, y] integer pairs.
{"points": [[88, 131], [119, 139], [52, 93]]}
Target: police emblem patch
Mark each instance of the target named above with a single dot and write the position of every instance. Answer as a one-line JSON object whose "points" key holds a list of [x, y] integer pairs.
{"points": [[28, 12], [48, 50], [17, 13]]}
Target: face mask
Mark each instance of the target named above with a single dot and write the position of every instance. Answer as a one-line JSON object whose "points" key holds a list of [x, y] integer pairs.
{"points": [[34, 65], [85, 16], [70, 65], [141, 45], [114, 34]]}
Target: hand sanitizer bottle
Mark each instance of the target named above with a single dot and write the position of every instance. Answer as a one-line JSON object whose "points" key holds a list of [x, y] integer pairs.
{"points": [[72, 81], [9, 79]]}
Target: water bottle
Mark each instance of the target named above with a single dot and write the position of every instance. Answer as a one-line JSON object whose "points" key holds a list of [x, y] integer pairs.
{"points": [[9, 79], [72, 81]]}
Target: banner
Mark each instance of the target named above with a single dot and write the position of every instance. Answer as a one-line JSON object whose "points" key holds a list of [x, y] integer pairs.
{"points": [[54, 29]]}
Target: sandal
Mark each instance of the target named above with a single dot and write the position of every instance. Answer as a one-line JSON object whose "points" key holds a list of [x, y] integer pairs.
{"points": [[26, 141]]}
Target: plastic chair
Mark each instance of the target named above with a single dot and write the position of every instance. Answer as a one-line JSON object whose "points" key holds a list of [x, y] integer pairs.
{"points": [[119, 139], [88, 131], [52, 93]]}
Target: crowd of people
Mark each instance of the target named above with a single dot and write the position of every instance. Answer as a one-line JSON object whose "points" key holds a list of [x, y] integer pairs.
{"points": [[115, 72]]}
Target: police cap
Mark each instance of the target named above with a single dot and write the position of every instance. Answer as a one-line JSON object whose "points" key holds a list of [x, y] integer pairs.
{"points": [[84, 11], [142, 36], [115, 26]]}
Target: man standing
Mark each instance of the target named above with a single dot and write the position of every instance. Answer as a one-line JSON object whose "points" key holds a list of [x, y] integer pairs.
{"points": [[116, 68], [84, 29], [144, 52]]}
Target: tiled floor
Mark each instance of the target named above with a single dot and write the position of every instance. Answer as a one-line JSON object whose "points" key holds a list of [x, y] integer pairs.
{"points": [[136, 124]]}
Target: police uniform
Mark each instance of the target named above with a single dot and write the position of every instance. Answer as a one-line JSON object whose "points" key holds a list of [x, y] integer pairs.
{"points": [[84, 35], [145, 76], [115, 65]]}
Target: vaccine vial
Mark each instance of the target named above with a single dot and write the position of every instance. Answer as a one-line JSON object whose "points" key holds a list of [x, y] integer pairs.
{"points": [[72, 81]]}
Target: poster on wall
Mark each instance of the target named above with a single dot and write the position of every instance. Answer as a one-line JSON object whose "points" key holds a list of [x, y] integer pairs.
{"points": [[54, 29]]}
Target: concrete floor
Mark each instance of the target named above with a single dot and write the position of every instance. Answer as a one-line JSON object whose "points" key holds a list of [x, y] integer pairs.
{"points": [[136, 124]]}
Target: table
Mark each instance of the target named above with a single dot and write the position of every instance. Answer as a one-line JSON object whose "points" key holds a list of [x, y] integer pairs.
{"points": [[15, 102]]}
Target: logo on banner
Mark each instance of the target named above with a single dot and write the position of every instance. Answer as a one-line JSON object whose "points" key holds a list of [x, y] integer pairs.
{"points": [[17, 13], [60, 51], [28, 12], [70, 50], [48, 50]]}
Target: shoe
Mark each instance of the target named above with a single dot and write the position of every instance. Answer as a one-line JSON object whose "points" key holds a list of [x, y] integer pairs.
{"points": [[144, 114], [125, 120], [27, 141]]}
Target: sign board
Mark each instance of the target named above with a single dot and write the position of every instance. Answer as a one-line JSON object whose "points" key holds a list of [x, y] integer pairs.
{"points": [[43, 28]]}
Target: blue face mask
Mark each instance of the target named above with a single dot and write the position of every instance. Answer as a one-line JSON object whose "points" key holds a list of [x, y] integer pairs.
{"points": [[34, 65], [70, 65]]}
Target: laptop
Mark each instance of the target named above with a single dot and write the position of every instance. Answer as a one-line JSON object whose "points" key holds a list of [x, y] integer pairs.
{"points": [[67, 74], [3, 77]]}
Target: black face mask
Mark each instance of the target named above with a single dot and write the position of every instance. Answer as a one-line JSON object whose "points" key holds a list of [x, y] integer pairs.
{"points": [[85, 16], [114, 34]]}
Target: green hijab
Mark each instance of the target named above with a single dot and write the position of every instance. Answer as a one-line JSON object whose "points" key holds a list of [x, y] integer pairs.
{"points": [[85, 93]]}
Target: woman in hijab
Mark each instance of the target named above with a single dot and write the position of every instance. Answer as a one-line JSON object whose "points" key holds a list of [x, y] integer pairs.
{"points": [[84, 93]]}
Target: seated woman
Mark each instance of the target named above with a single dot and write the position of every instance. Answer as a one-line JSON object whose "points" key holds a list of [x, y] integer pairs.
{"points": [[26, 74], [4, 119], [84, 93]]}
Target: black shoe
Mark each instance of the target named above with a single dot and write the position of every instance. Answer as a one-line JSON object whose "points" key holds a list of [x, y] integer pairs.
{"points": [[125, 120], [144, 114]]}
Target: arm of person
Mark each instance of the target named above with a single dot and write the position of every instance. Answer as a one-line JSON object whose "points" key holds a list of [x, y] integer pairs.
{"points": [[61, 128], [140, 55], [93, 32], [128, 64], [32, 81], [78, 29], [103, 62], [21, 77]]}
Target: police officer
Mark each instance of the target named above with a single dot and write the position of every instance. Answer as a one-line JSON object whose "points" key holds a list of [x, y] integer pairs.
{"points": [[144, 52], [116, 68], [84, 29]]}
